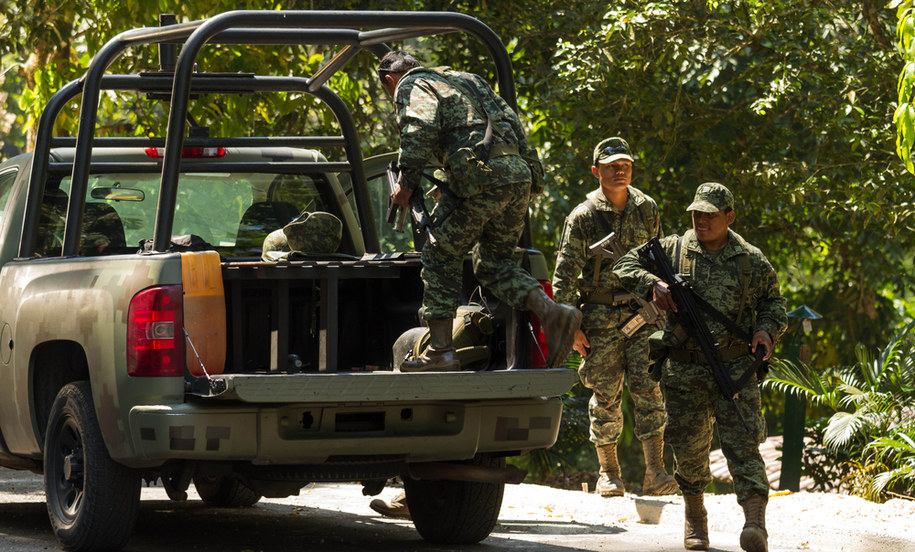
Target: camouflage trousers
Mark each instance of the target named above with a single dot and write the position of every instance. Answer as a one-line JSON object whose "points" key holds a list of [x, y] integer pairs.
{"points": [[613, 360], [694, 403], [490, 223]]}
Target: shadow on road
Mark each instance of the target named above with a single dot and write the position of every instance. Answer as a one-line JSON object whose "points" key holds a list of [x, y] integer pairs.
{"points": [[166, 526]]}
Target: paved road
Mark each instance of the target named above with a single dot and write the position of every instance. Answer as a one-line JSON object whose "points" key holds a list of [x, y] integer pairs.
{"points": [[336, 517], [323, 517]]}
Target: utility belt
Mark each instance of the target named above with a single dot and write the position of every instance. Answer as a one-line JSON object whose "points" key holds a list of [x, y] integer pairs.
{"points": [[501, 150], [728, 353], [608, 298]]}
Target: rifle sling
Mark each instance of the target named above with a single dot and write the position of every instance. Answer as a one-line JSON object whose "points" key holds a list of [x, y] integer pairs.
{"points": [[733, 328]]}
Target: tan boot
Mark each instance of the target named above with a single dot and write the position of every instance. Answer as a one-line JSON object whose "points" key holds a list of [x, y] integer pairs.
{"points": [[439, 355], [695, 531], [396, 508], [609, 483], [656, 482], [754, 537], [559, 323]]}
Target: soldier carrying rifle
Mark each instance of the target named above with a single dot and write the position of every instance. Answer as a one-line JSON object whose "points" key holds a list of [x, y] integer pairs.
{"points": [[613, 340], [710, 373]]}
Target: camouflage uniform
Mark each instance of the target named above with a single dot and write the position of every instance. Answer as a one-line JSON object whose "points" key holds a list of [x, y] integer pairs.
{"points": [[613, 357], [694, 401], [436, 120]]}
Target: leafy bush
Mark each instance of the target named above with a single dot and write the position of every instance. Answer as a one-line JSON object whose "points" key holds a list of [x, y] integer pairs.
{"points": [[871, 433]]}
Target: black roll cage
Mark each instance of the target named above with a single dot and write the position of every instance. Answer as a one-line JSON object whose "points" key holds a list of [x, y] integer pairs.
{"points": [[335, 28]]}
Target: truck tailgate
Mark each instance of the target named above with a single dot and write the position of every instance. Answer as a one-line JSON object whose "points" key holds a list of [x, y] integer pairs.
{"points": [[395, 386]]}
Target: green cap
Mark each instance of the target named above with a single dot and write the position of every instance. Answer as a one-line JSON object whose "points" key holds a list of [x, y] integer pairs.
{"points": [[712, 197], [611, 149]]}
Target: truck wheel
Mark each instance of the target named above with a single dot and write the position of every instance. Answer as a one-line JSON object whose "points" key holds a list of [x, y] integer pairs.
{"points": [[92, 500], [455, 512], [224, 492]]}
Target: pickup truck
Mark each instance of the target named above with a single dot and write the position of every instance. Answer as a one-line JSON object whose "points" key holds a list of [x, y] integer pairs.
{"points": [[144, 337]]}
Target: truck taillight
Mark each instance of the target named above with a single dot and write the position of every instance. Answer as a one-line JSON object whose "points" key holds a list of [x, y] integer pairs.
{"points": [[155, 333], [538, 340]]}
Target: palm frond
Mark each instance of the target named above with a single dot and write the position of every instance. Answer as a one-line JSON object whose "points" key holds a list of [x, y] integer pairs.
{"points": [[845, 427], [801, 380], [902, 474]]}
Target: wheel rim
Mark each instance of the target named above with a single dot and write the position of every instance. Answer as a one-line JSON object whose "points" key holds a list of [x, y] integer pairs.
{"points": [[66, 472]]}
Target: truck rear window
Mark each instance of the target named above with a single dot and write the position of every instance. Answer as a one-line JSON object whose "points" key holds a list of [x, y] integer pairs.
{"points": [[232, 211]]}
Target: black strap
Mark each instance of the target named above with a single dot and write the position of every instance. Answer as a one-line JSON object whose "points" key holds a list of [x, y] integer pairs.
{"points": [[485, 145]]}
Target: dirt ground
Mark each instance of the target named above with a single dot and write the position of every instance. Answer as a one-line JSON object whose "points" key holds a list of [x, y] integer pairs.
{"points": [[796, 521]]}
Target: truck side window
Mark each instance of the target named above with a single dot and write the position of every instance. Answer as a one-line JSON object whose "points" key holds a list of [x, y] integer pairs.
{"points": [[51, 223], [6, 184]]}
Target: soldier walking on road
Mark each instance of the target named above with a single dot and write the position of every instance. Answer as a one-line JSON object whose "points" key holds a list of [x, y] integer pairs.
{"points": [[736, 279], [457, 118], [612, 343]]}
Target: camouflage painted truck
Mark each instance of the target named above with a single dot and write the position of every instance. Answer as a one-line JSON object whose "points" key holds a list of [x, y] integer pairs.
{"points": [[142, 336]]}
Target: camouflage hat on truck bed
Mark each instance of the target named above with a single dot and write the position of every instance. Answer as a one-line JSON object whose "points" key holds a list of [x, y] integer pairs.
{"points": [[317, 232]]}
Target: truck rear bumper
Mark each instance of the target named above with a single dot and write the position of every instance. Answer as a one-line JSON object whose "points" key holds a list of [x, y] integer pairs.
{"points": [[417, 431]]}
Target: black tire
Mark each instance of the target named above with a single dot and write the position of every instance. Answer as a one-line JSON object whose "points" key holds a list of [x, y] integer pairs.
{"points": [[92, 500], [455, 512], [225, 492]]}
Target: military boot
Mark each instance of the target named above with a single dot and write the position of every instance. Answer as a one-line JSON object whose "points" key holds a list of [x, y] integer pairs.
{"points": [[754, 537], [609, 483], [396, 508], [695, 531], [559, 323], [439, 355], [656, 482]]}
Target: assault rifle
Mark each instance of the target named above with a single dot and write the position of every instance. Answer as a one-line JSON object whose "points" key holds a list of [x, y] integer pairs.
{"points": [[609, 248], [422, 221], [695, 326]]}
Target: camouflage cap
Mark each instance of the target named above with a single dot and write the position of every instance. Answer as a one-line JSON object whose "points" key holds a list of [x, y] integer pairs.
{"points": [[317, 232], [712, 197], [611, 149]]}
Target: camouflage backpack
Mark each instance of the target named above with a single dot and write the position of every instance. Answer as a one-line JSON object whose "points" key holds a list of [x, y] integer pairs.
{"points": [[472, 332]]}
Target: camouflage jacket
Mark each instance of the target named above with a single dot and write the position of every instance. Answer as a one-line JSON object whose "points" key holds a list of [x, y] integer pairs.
{"points": [[436, 119], [638, 222], [717, 277]]}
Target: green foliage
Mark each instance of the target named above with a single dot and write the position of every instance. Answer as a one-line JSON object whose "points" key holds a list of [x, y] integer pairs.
{"points": [[873, 403], [786, 103], [904, 116]]}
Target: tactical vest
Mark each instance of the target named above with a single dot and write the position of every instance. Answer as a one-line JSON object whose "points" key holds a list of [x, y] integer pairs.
{"points": [[685, 266]]}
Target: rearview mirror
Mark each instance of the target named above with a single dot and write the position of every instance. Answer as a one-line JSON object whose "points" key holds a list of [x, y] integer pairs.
{"points": [[114, 193]]}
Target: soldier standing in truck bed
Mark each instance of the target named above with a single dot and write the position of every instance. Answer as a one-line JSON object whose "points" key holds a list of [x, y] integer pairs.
{"points": [[445, 114], [613, 340]]}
